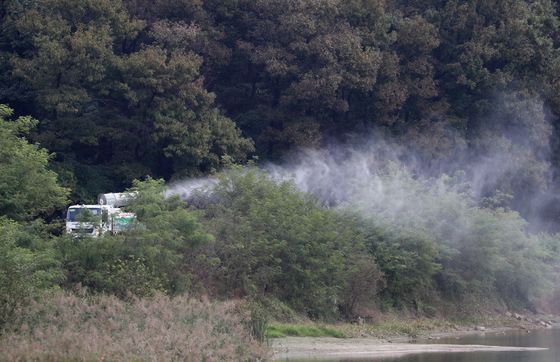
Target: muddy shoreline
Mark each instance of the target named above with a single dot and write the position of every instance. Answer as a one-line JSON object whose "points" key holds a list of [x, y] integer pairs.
{"points": [[325, 348], [310, 348]]}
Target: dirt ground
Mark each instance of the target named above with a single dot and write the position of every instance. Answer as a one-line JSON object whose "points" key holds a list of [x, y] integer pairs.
{"points": [[325, 348]]}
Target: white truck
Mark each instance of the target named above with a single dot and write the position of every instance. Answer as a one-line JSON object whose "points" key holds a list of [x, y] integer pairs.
{"points": [[105, 216]]}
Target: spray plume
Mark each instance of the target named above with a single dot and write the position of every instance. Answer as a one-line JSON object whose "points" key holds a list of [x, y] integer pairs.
{"points": [[409, 176]]}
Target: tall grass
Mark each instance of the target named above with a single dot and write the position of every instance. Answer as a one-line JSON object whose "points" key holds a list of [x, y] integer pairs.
{"points": [[64, 326]]}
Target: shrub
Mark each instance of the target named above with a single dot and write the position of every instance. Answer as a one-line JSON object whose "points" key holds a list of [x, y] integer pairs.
{"points": [[23, 272], [276, 242], [432, 240], [161, 254]]}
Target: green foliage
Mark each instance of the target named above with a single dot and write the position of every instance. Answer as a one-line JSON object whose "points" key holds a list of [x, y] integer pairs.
{"points": [[23, 272], [363, 282], [86, 216], [285, 330], [274, 241], [27, 187], [409, 264], [172, 239], [259, 322], [131, 275], [447, 246], [163, 253], [108, 264], [115, 99], [86, 260], [130, 88]]}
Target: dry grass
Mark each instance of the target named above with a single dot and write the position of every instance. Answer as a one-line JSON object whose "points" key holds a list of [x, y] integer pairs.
{"points": [[64, 327], [392, 325]]}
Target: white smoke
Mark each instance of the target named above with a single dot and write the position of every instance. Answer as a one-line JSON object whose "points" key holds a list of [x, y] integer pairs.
{"points": [[406, 176], [186, 188]]}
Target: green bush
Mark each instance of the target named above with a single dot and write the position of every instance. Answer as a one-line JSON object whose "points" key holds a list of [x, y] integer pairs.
{"points": [[258, 321], [432, 241], [132, 276], [274, 241], [23, 272], [161, 254]]}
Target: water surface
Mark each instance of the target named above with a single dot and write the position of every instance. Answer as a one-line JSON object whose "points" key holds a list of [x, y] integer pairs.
{"points": [[547, 338]]}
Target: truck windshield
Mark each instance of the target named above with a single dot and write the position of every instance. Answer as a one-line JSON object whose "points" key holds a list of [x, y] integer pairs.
{"points": [[73, 214]]}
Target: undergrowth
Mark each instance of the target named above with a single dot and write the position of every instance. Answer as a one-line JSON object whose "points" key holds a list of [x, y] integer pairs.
{"points": [[295, 330]]}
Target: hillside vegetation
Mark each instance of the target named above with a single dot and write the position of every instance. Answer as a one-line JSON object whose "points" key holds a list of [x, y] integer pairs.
{"points": [[365, 156]]}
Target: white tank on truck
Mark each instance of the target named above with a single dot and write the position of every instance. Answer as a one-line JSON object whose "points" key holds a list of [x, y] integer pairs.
{"points": [[116, 199], [106, 216]]}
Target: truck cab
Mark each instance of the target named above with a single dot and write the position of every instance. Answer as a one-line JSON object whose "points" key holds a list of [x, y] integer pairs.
{"points": [[96, 220], [106, 216], [86, 220]]}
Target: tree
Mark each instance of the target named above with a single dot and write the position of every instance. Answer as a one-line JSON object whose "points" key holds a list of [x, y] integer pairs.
{"points": [[274, 242], [433, 241], [27, 187], [113, 97], [296, 68]]}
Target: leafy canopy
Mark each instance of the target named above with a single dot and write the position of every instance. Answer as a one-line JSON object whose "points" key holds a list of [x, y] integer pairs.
{"points": [[27, 187]]}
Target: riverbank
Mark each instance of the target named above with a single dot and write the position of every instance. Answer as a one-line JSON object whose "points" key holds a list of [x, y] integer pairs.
{"points": [[391, 339], [400, 328], [292, 348]]}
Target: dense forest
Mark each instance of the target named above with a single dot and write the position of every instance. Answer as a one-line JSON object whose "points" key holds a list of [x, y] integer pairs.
{"points": [[123, 89], [364, 154]]}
